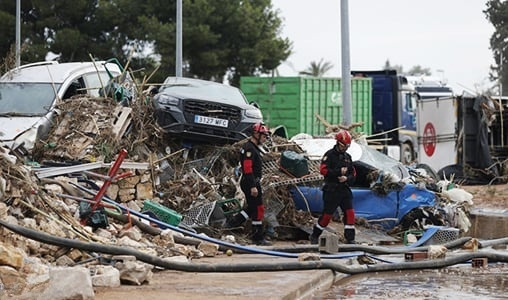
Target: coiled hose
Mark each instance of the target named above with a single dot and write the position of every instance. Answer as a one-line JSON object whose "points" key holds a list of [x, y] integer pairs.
{"points": [[249, 267], [216, 241]]}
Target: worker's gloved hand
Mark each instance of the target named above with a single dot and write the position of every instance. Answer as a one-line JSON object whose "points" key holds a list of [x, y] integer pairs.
{"points": [[254, 191]]}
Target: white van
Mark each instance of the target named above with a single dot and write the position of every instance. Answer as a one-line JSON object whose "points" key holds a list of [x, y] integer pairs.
{"points": [[29, 93]]}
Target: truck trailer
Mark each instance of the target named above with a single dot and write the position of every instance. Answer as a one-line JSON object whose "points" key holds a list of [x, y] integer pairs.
{"points": [[394, 112]]}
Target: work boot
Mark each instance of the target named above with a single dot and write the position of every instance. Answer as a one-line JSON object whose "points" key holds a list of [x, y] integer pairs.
{"points": [[236, 221], [314, 237], [262, 242], [314, 240], [258, 236], [349, 235]]}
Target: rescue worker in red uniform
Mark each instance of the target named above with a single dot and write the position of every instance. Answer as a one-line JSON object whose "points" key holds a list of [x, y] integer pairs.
{"points": [[250, 183], [339, 172]]}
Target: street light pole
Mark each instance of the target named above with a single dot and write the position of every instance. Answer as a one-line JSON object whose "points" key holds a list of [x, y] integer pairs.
{"points": [[501, 95], [500, 73], [346, 68], [178, 64], [18, 32]]}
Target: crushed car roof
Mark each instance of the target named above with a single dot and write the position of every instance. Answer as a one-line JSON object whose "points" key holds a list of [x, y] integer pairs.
{"points": [[51, 71]]}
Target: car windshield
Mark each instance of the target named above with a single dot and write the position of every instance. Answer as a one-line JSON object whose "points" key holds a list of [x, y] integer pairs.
{"points": [[26, 99], [210, 91]]}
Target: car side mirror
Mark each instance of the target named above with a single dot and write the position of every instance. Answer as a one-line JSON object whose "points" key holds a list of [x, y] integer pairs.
{"points": [[255, 104], [151, 91]]}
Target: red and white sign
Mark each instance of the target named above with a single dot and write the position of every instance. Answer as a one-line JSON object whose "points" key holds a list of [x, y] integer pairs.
{"points": [[429, 139]]}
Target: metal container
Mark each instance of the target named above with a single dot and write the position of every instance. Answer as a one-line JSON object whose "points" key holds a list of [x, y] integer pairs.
{"points": [[295, 101]]}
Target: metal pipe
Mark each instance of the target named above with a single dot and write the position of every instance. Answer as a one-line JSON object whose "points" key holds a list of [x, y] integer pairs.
{"points": [[178, 63], [501, 95], [18, 33], [346, 67]]}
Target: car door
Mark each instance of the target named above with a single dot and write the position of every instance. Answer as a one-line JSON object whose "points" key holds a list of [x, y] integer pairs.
{"points": [[94, 82]]}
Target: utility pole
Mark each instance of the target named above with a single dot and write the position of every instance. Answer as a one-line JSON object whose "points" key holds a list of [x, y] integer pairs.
{"points": [[18, 32], [178, 63], [346, 67], [501, 94], [501, 73]]}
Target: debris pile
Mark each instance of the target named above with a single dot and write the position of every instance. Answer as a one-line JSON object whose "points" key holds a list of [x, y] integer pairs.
{"points": [[84, 143]]}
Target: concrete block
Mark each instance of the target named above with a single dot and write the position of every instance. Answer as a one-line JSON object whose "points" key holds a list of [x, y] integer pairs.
{"points": [[328, 242]]}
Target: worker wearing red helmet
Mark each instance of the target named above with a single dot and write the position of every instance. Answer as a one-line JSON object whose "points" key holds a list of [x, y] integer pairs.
{"points": [[250, 183], [339, 172]]}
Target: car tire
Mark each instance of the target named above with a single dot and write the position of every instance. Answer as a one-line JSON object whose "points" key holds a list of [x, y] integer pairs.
{"points": [[419, 217], [406, 154], [429, 171]]}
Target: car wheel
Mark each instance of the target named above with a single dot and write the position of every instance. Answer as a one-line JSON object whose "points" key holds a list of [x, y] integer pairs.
{"points": [[429, 171], [406, 154], [420, 217]]}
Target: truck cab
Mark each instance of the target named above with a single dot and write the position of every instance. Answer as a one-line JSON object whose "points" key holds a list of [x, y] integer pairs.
{"points": [[394, 112], [430, 87]]}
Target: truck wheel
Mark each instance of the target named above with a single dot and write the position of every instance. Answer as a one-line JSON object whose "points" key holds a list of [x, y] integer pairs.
{"points": [[406, 154]]}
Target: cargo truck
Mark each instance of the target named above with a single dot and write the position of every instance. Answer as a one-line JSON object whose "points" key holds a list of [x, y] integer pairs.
{"points": [[430, 87], [436, 122], [393, 107]]}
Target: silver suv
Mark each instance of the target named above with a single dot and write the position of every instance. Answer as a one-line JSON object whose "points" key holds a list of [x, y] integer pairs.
{"points": [[201, 110], [29, 93]]}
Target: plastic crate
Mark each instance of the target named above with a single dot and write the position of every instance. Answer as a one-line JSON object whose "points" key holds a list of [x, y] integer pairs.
{"points": [[163, 213], [230, 206], [443, 236], [206, 214]]}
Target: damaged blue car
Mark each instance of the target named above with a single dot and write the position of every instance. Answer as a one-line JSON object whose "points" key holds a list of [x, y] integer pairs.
{"points": [[383, 193]]}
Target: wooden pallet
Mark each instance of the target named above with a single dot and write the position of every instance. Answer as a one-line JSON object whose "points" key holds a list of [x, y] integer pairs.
{"points": [[122, 121]]}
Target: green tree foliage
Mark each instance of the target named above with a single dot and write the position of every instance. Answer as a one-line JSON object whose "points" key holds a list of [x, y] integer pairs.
{"points": [[389, 66], [497, 14], [419, 70], [220, 37], [317, 69], [71, 28], [415, 70]]}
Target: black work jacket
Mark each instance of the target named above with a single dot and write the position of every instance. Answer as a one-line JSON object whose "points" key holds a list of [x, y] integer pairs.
{"points": [[331, 166], [250, 160]]}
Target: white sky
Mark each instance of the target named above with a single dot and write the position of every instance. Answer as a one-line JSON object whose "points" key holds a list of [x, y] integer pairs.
{"points": [[448, 35]]}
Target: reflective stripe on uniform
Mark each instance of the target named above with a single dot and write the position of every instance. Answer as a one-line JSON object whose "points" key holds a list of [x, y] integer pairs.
{"points": [[244, 214]]}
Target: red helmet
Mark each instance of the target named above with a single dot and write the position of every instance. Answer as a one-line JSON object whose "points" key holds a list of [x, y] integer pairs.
{"points": [[261, 128], [343, 137]]}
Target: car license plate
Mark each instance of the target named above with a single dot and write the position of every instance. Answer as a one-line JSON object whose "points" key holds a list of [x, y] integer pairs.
{"points": [[210, 121]]}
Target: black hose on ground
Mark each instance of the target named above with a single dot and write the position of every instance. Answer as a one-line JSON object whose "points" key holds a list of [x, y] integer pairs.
{"points": [[500, 241], [399, 250], [249, 267], [135, 221], [369, 249], [156, 231]]}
